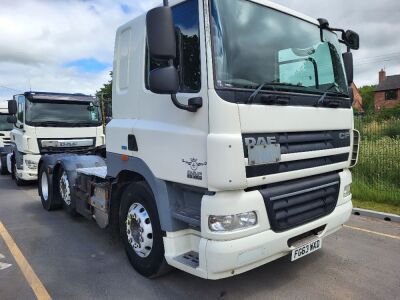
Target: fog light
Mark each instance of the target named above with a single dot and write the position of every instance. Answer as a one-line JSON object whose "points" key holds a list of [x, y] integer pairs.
{"points": [[31, 164], [232, 222], [347, 191]]}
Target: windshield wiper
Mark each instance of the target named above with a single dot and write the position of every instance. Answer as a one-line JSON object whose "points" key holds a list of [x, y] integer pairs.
{"points": [[273, 85], [332, 102]]}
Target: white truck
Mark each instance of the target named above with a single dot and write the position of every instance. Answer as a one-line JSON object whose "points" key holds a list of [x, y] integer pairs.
{"points": [[48, 123], [250, 160], [5, 129]]}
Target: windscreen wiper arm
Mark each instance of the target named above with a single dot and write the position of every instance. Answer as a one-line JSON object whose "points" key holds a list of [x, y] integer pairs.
{"points": [[272, 84], [322, 100]]}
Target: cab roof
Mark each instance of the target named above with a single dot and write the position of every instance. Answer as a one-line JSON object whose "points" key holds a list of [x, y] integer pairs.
{"points": [[58, 96]]}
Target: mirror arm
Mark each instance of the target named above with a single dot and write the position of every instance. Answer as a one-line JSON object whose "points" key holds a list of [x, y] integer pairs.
{"points": [[193, 105]]}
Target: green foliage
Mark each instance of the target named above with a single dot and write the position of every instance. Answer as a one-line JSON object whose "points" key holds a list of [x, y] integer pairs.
{"points": [[389, 113], [368, 95], [377, 176], [105, 92]]}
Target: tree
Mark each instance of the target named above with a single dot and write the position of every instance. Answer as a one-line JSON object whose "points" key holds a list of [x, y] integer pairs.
{"points": [[105, 92], [368, 95], [105, 97]]}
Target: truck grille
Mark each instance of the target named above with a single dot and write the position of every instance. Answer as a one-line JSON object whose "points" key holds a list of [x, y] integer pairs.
{"points": [[6, 141], [297, 202], [300, 142], [69, 149]]}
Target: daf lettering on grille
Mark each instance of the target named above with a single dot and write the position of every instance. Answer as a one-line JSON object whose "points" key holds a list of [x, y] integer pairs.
{"points": [[260, 141]]}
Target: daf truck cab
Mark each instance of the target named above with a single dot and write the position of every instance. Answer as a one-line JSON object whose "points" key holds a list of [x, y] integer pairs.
{"points": [[231, 141], [48, 123], [5, 129]]}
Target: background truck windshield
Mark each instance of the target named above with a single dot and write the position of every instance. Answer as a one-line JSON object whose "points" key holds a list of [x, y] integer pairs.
{"points": [[255, 45], [62, 113], [4, 126]]}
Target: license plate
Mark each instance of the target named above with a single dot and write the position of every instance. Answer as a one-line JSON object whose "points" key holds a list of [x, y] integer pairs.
{"points": [[306, 249]]}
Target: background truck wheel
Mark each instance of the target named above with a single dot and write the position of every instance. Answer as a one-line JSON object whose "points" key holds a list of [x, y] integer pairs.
{"points": [[64, 192], [3, 165], [46, 190], [140, 231]]}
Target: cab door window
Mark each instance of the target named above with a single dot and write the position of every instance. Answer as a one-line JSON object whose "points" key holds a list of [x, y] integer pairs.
{"points": [[21, 108], [186, 20]]}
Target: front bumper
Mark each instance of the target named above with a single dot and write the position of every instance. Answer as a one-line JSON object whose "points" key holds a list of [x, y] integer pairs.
{"points": [[29, 173], [229, 254]]}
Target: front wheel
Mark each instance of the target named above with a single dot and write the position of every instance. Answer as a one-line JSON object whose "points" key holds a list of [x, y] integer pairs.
{"points": [[3, 165], [140, 231]]}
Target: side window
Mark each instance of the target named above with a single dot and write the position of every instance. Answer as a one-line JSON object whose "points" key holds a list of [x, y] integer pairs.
{"points": [[21, 105], [186, 19]]}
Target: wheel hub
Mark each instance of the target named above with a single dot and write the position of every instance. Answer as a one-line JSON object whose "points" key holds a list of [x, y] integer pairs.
{"points": [[64, 189], [45, 186], [139, 230]]}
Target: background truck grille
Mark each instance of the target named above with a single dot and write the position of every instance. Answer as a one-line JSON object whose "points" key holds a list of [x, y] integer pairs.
{"points": [[300, 142], [6, 141], [293, 203]]}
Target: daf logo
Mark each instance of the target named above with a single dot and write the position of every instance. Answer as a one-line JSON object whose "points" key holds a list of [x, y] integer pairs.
{"points": [[68, 144], [344, 135], [251, 142]]}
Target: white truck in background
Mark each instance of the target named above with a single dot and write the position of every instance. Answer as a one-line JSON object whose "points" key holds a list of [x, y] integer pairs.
{"points": [[49, 123], [249, 161], [5, 129]]}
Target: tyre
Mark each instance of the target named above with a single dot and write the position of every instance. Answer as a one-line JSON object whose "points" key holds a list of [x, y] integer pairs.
{"points": [[46, 190], [64, 192], [140, 231], [3, 165]]}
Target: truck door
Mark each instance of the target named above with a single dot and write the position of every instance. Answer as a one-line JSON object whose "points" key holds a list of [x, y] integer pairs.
{"points": [[17, 132]]}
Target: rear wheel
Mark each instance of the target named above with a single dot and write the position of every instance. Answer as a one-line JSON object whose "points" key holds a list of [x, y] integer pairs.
{"points": [[140, 231], [46, 190], [3, 165], [65, 192]]}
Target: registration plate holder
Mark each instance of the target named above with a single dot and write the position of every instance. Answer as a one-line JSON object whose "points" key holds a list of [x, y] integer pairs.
{"points": [[306, 249]]}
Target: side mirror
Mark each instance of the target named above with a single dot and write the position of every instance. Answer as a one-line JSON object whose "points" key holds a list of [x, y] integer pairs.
{"points": [[164, 81], [12, 119], [161, 37], [348, 66], [12, 107], [352, 39]]}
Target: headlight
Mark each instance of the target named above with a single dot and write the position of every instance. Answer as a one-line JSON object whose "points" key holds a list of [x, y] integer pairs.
{"points": [[347, 191], [31, 164], [232, 222]]}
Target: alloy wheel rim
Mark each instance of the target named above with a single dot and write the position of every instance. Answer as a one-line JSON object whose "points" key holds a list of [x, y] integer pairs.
{"points": [[64, 189], [45, 186], [139, 230]]}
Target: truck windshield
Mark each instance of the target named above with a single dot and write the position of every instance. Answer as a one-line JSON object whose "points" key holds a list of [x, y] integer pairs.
{"points": [[62, 114], [4, 125], [255, 45]]}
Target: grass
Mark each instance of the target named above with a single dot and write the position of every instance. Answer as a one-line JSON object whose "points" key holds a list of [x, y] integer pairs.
{"points": [[387, 208], [376, 178]]}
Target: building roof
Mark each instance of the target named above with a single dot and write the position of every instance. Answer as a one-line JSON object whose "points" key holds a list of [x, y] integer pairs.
{"points": [[390, 83]]}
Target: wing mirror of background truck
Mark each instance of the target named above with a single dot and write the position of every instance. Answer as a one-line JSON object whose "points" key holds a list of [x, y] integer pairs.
{"points": [[12, 119], [12, 107], [161, 42]]}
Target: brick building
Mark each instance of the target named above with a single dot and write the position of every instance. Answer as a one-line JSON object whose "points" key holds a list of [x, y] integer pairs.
{"points": [[358, 100], [387, 93]]}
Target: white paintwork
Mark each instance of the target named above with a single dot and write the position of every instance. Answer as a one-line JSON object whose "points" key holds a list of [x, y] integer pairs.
{"points": [[26, 141], [166, 135], [225, 255], [3, 134], [96, 171]]}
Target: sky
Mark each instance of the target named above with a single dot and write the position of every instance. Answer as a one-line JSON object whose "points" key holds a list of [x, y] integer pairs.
{"points": [[67, 45]]}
